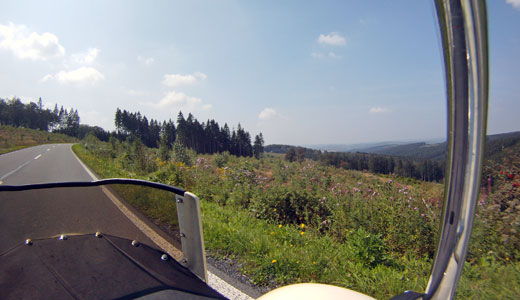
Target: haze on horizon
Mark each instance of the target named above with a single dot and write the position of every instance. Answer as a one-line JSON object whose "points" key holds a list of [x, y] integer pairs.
{"points": [[302, 73]]}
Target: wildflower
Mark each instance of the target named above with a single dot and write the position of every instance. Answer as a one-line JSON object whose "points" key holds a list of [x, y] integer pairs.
{"points": [[313, 262], [302, 233], [501, 172], [302, 225], [390, 181], [280, 226], [291, 245], [274, 209], [272, 232], [273, 261]]}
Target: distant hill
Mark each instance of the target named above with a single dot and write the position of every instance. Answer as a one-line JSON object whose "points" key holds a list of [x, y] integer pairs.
{"points": [[417, 151], [282, 149], [352, 147], [494, 144]]}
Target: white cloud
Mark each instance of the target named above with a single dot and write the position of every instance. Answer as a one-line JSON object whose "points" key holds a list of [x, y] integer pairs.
{"points": [[268, 114], [86, 58], [179, 79], [147, 61], [514, 3], [80, 77], [25, 45], [332, 39], [318, 55], [378, 110], [333, 55], [179, 101], [137, 93]]}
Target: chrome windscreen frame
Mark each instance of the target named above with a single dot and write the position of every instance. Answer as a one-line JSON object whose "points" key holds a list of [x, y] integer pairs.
{"points": [[463, 28]]}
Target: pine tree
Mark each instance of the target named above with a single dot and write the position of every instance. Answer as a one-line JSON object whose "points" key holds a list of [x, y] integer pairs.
{"points": [[258, 148]]}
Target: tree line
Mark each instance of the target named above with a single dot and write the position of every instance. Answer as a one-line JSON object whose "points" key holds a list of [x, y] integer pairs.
{"points": [[426, 170], [33, 115], [423, 169], [203, 137]]}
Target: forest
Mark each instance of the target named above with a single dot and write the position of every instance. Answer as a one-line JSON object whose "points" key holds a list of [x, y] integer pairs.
{"points": [[203, 137]]}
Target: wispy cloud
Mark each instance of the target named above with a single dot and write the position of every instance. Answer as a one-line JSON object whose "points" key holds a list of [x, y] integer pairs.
{"points": [[147, 61], [179, 101], [332, 39], [84, 76], [137, 93], [174, 80], [86, 58], [268, 114], [378, 110], [333, 55], [514, 3], [319, 55], [29, 45]]}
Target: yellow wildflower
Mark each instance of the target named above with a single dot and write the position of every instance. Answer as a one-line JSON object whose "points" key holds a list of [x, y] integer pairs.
{"points": [[274, 209], [280, 226], [273, 261], [302, 233], [313, 262], [272, 232], [303, 225]]}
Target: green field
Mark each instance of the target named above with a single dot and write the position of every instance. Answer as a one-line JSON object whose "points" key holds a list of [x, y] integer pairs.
{"points": [[285, 223]]}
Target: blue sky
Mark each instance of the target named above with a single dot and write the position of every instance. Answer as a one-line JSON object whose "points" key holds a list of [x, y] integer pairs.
{"points": [[300, 72]]}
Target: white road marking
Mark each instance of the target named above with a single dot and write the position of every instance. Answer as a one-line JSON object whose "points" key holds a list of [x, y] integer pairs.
{"points": [[14, 171], [39, 155], [214, 281]]}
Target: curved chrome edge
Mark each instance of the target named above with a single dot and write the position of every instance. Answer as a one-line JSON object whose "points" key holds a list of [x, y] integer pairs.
{"points": [[463, 28]]}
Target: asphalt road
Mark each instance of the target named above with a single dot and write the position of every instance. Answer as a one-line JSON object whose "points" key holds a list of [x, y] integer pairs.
{"points": [[46, 213]]}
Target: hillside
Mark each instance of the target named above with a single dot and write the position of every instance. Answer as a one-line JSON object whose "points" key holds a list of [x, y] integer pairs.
{"points": [[415, 151], [12, 138]]}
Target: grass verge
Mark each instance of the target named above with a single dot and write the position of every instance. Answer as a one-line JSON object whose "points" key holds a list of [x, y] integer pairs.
{"points": [[14, 138]]}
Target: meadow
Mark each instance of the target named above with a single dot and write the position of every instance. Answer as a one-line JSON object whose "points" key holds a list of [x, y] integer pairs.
{"points": [[287, 222]]}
